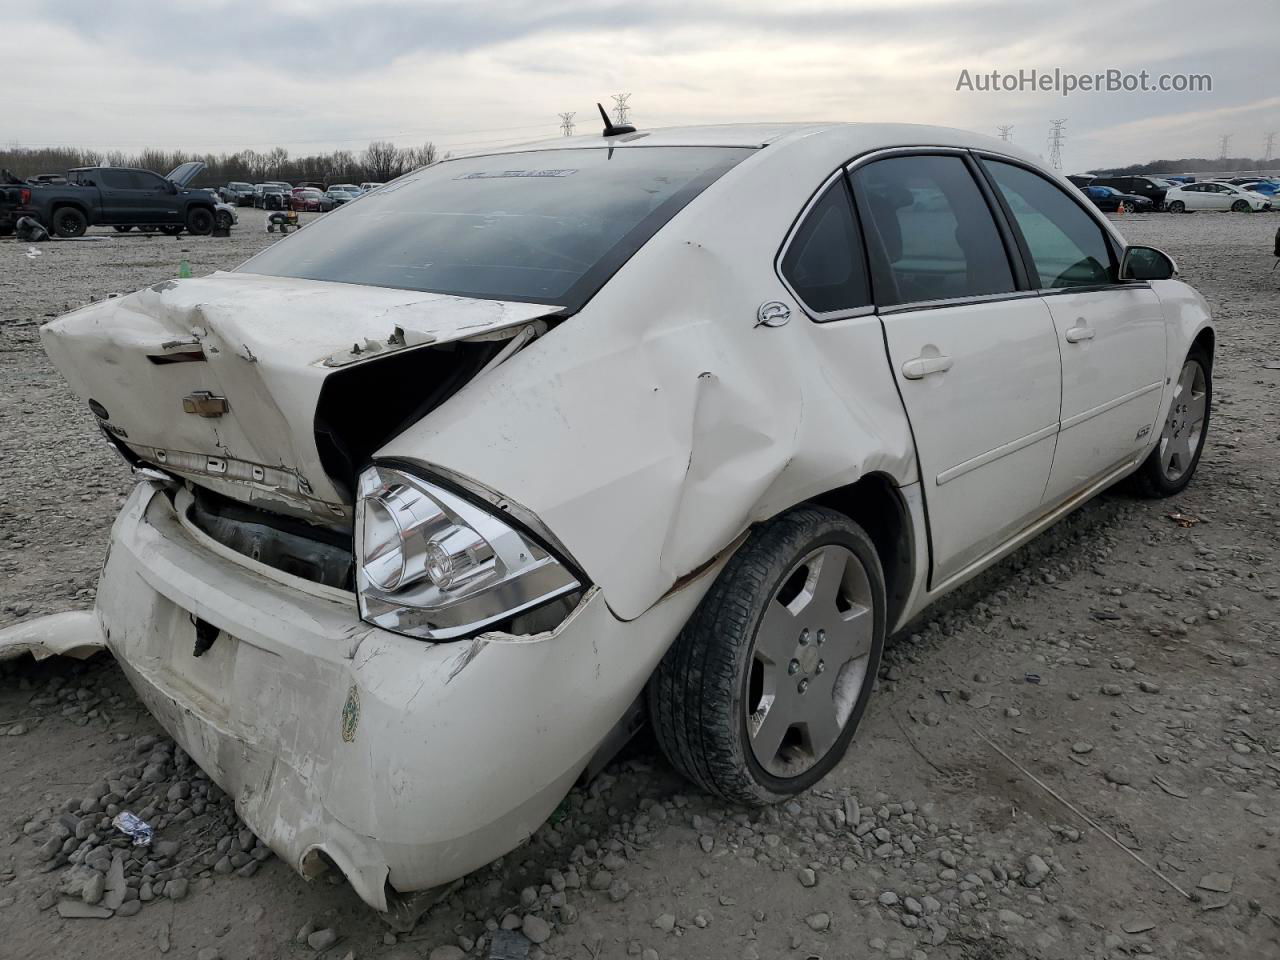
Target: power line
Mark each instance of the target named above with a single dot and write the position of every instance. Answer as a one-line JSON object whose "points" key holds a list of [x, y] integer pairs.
{"points": [[621, 111], [566, 123], [1271, 143], [1224, 144], [1056, 139], [1006, 131]]}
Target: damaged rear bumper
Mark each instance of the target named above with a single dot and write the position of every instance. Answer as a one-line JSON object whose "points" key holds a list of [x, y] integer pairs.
{"points": [[406, 763]]}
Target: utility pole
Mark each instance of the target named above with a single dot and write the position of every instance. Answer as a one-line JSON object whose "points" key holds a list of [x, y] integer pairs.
{"points": [[566, 123], [1224, 143], [1271, 145], [1006, 131], [620, 108], [1056, 139]]}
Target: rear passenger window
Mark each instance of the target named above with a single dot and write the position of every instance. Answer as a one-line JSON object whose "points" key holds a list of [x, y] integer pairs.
{"points": [[934, 228], [1068, 247], [116, 179], [825, 264]]}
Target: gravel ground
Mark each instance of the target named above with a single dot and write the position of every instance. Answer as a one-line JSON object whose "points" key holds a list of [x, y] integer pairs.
{"points": [[1123, 663]]}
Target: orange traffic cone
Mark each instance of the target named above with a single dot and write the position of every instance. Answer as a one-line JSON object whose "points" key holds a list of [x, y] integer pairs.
{"points": [[1120, 209]]}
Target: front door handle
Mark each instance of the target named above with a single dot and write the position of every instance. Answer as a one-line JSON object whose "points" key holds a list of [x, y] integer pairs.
{"points": [[921, 367], [1081, 331]]}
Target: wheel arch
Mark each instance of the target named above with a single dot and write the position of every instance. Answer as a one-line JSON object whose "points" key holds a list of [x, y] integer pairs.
{"points": [[1205, 340], [876, 504], [63, 204]]}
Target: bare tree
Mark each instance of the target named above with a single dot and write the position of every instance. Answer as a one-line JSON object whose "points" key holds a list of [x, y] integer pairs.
{"points": [[383, 160]]}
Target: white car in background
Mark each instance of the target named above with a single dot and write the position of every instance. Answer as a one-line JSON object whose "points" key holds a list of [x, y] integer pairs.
{"points": [[440, 496], [1213, 195]]}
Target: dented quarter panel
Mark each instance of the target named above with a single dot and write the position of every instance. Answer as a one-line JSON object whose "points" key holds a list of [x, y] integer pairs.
{"points": [[660, 422]]}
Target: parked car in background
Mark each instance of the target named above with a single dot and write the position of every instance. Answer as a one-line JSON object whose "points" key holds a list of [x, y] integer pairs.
{"points": [[283, 184], [225, 215], [1136, 186], [308, 199], [342, 193], [379, 595], [1111, 200], [367, 186], [1214, 195], [1081, 180], [270, 196], [1268, 188], [120, 197], [238, 193]]}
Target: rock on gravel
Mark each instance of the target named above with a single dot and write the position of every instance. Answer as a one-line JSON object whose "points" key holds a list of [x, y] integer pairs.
{"points": [[535, 928]]}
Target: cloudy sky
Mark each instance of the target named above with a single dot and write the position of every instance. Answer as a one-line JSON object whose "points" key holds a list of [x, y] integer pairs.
{"points": [[312, 75]]}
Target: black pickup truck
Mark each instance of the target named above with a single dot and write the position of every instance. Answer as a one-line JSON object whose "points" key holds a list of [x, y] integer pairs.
{"points": [[119, 197]]}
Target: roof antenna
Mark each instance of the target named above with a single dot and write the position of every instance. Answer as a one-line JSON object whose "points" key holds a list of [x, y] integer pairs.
{"points": [[610, 128]]}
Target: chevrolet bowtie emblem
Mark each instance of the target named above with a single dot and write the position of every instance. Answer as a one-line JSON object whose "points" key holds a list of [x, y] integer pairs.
{"points": [[204, 404]]}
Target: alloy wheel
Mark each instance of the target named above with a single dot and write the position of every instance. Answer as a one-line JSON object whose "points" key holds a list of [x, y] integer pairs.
{"points": [[809, 661], [1180, 438]]}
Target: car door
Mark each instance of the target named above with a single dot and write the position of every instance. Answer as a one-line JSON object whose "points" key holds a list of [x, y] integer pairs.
{"points": [[157, 199], [1217, 197], [1111, 334], [975, 358], [117, 188]]}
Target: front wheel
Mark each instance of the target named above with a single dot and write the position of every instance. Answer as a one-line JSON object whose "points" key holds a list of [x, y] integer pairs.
{"points": [[1126, 206], [200, 222], [1177, 207], [760, 695], [1240, 206], [223, 220], [1170, 465]]}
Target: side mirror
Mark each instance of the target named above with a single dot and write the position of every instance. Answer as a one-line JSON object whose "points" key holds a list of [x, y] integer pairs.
{"points": [[1147, 263]]}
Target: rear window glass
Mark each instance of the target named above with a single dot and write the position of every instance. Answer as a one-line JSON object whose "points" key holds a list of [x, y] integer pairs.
{"points": [[542, 227]]}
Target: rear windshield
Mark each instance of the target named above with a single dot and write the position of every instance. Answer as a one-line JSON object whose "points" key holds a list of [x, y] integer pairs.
{"points": [[543, 227]]}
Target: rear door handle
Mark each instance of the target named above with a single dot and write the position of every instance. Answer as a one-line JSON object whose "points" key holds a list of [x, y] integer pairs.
{"points": [[1081, 331], [921, 367]]}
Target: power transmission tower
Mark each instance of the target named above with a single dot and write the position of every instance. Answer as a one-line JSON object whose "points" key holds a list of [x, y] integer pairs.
{"points": [[620, 109], [1224, 143], [1271, 145], [566, 123], [1056, 139], [1006, 131]]}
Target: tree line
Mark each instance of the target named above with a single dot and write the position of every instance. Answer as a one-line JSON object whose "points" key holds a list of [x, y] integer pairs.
{"points": [[1191, 165], [382, 160]]}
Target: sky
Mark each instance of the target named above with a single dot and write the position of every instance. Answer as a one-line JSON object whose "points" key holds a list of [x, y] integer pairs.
{"points": [[315, 75]]}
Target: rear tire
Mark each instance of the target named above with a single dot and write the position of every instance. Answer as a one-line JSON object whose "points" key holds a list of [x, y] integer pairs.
{"points": [[760, 695], [1177, 207], [1173, 461], [69, 222]]}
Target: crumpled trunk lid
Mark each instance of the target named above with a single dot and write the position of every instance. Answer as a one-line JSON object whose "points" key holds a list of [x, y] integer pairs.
{"points": [[217, 379]]}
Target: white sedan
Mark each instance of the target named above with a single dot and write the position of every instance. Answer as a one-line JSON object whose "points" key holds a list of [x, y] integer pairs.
{"points": [[1213, 195], [439, 497]]}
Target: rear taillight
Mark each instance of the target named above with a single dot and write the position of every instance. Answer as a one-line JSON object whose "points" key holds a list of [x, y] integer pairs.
{"points": [[24, 196]]}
